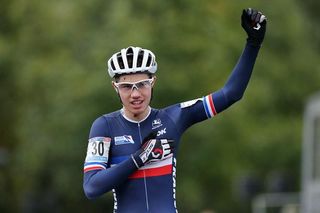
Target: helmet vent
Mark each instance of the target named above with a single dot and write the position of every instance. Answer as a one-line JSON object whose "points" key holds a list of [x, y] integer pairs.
{"points": [[130, 57], [140, 58], [149, 60], [120, 61], [112, 65]]}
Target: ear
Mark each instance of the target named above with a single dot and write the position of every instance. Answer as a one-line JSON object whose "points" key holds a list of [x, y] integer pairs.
{"points": [[114, 86]]}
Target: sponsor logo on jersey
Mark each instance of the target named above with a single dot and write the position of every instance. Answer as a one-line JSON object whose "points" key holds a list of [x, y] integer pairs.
{"points": [[161, 132], [156, 123], [189, 103], [115, 205], [153, 169], [174, 175], [125, 139]]}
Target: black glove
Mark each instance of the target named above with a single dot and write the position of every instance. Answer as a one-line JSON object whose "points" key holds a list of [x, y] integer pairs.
{"points": [[153, 150], [254, 23]]}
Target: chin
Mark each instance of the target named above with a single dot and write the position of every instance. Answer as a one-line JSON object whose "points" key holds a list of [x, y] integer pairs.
{"points": [[139, 111]]}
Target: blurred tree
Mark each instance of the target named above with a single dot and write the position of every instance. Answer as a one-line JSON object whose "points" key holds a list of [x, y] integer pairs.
{"points": [[310, 11], [53, 85]]}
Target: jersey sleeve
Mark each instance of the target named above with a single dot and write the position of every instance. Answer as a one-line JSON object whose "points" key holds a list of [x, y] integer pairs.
{"points": [[190, 112], [234, 88], [98, 146], [99, 177]]}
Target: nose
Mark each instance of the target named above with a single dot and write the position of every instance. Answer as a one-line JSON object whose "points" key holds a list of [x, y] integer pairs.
{"points": [[135, 92]]}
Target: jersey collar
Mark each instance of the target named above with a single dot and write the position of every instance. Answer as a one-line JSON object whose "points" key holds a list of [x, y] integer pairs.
{"points": [[133, 121]]}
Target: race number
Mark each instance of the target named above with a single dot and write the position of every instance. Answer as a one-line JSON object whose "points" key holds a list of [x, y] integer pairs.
{"points": [[98, 150]]}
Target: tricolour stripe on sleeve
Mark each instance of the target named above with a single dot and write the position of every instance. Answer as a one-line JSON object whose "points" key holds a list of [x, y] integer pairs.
{"points": [[209, 106], [93, 166]]}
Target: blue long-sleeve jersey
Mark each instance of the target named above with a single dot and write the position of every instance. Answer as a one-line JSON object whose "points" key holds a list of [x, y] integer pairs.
{"points": [[113, 138]]}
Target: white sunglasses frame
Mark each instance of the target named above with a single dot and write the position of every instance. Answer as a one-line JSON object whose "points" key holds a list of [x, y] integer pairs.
{"points": [[134, 84]]}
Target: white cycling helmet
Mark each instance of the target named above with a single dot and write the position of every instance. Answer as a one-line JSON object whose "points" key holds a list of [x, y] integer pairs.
{"points": [[132, 60]]}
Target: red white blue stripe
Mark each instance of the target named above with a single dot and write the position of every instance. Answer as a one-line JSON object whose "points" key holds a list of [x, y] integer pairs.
{"points": [[94, 166], [209, 106]]}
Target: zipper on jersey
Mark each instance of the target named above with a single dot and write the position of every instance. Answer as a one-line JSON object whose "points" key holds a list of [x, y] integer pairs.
{"points": [[144, 174]]}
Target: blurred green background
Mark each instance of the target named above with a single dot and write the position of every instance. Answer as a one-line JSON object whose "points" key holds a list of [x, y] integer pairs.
{"points": [[53, 84]]}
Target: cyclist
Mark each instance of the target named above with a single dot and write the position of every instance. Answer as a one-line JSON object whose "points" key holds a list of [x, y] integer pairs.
{"points": [[133, 151]]}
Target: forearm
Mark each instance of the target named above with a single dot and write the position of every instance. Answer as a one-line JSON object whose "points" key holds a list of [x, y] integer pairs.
{"points": [[237, 83], [98, 182]]}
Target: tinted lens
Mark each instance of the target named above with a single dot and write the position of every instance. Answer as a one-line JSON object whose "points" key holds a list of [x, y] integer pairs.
{"points": [[143, 84], [125, 87]]}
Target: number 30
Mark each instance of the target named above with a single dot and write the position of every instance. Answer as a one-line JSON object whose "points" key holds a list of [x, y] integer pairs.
{"points": [[98, 149]]}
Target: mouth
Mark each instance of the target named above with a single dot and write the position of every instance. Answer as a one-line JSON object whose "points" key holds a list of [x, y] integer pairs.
{"points": [[136, 103]]}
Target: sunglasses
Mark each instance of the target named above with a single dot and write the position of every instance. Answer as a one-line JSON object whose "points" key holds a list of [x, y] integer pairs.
{"points": [[127, 87]]}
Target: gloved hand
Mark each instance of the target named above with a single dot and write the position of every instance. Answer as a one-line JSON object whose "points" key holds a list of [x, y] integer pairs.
{"points": [[153, 150], [254, 23]]}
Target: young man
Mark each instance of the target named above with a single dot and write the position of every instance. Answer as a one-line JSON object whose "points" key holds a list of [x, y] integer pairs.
{"points": [[132, 151]]}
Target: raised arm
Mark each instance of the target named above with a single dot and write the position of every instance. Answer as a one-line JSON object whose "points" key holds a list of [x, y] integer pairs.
{"points": [[254, 23]]}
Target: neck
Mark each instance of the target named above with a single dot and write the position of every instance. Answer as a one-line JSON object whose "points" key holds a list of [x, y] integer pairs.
{"points": [[136, 117]]}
